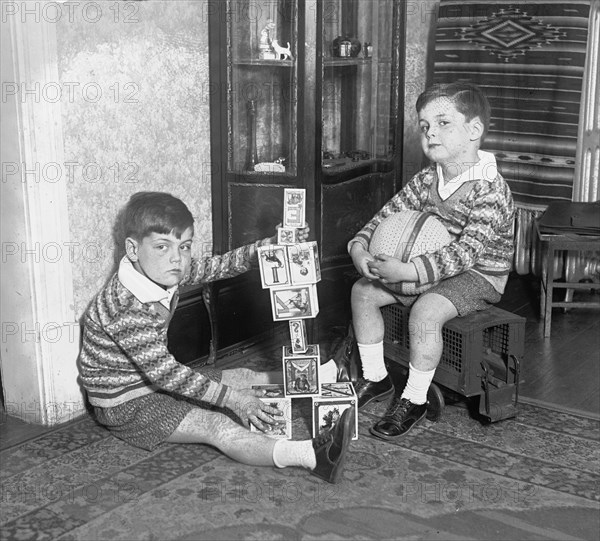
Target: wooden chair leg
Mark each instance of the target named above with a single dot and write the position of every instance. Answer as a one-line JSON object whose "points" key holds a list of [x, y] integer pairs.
{"points": [[568, 298], [209, 296]]}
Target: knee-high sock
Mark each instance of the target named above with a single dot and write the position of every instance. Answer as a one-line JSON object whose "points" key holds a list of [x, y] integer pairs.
{"points": [[417, 385], [294, 453], [373, 365]]}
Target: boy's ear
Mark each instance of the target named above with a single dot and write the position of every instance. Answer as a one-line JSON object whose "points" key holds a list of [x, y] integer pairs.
{"points": [[131, 249], [477, 128]]}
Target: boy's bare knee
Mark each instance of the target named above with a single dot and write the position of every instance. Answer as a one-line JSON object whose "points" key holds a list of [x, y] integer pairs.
{"points": [[360, 286], [239, 378], [368, 297], [432, 308], [204, 426], [367, 293]]}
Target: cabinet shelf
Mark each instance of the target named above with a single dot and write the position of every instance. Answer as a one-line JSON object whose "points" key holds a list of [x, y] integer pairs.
{"points": [[340, 170], [269, 63], [345, 61], [265, 176]]}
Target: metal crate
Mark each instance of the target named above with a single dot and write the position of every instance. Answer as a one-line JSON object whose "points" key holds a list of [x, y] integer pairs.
{"points": [[482, 355]]}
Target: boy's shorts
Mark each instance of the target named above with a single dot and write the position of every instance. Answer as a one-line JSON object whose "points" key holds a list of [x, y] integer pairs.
{"points": [[147, 421], [469, 292]]}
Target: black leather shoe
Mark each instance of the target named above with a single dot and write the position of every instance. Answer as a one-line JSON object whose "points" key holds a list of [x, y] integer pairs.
{"points": [[330, 447], [398, 419], [369, 391], [347, 359]]}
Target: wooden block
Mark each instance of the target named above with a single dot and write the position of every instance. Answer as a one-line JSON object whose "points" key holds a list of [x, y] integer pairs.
{"points": [[329, 406], [294, 302], [301, 372], [298, 336], [303, 261], [274, 267], [294, 207], [287, 235]]}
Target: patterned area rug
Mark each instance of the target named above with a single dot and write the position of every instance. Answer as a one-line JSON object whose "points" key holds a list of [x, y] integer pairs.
{"points": [[529, 58], [532, 477]]}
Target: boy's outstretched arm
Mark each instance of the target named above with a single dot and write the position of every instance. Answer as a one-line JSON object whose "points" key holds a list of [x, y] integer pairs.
{"points": [[232, 263], [228, 265]]}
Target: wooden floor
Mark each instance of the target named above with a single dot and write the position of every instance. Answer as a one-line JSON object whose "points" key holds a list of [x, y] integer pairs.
{"points": [[563, 370]]}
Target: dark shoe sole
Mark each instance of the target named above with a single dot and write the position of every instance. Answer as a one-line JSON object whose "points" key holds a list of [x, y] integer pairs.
{"points": [[379, 398], [393, 438]]}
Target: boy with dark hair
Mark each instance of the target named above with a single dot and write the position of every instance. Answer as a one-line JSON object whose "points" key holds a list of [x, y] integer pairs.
{"points": [[464, 190], [138, 389]]}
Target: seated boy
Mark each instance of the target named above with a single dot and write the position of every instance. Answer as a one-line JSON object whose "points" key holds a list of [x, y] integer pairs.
{"points": [[137, 388], [463, 189]]}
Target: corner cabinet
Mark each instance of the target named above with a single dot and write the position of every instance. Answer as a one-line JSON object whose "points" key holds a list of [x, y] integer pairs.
{"points": [[306, 94]]}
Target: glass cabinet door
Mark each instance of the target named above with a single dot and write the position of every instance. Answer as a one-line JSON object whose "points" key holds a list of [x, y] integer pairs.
{"points": [[361, 54], [359, 109], [323, 116], [262, 86]]}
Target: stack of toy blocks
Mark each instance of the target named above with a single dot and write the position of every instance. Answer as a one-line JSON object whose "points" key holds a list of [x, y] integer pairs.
{"points": [[291, 270]]}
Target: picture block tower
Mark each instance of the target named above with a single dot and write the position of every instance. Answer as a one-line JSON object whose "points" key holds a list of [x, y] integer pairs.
{"points": [[291, 271]]}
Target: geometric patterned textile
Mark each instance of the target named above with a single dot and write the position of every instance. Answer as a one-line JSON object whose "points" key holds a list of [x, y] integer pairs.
{"points": [[528, 57]]}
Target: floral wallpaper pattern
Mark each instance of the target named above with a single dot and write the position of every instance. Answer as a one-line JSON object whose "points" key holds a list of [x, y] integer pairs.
{"points": [[135, 105], [420, 27]]}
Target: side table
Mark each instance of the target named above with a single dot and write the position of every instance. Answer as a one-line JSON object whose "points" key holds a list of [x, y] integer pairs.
{"points": [[551, 243]]}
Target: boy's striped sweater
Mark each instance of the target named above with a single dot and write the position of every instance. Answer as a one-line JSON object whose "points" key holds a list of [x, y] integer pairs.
{"points": [[479, 216], [124, 352]]}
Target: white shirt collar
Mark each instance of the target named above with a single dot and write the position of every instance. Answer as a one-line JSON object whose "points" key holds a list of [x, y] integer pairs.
{"points": [[144, 289], [484, 169]]}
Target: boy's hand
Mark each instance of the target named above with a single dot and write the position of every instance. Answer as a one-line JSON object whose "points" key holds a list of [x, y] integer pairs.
{"points": [[361, 259], [247, 406], [302, 234], [390, 270]]}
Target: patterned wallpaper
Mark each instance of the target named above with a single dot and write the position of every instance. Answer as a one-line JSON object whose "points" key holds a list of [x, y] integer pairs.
{"points": [[135, 117], [421, 18]]}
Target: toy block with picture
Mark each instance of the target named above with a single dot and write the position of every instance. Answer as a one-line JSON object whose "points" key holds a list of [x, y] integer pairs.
{"points": [[275, 397], [301, 372], [294, 264], [287, 235], [303, 262], [329, 406], [298, 336], [294, 302], [274, 267], [294, 207]]}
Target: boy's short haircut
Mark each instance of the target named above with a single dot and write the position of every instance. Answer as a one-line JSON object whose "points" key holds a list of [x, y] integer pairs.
{"points": [[468, 99], [155, 212]]}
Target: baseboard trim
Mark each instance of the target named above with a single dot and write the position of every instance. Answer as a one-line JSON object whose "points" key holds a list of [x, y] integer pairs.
{"points": [[225, 353], [560, 408]]}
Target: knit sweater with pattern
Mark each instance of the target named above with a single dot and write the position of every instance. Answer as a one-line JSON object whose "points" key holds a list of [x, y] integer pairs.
{"points": [[124, 353], [478, 213]]}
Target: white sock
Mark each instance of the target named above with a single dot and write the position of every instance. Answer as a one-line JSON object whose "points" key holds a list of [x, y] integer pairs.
{"points": [[417, 385], [373, 365], [294, 453], [328, 372]]}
